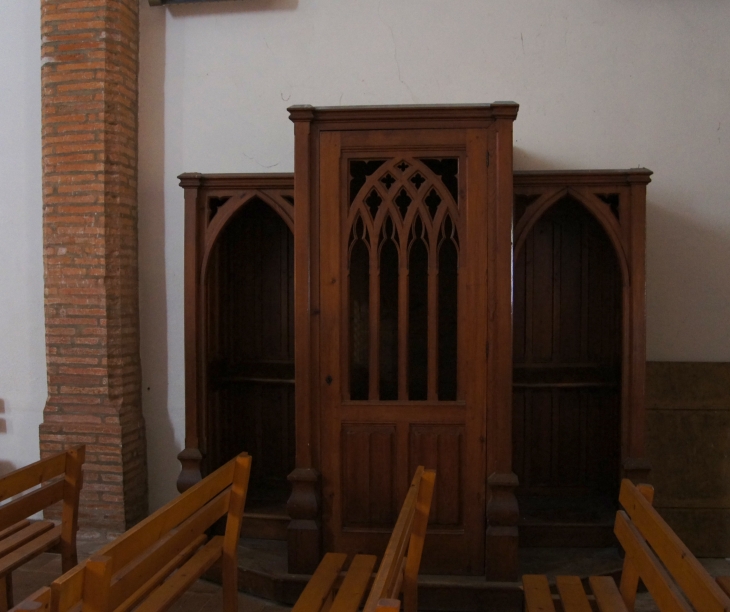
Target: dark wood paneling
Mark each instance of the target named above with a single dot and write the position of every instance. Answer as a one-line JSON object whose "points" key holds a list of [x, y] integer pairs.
{"points": [[368, 483], [441, 447], [567, 330], [251, 349]]}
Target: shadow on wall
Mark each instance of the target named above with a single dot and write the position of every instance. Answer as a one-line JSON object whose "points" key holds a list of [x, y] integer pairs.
{"points": [[162, 464], [3, 424], [223, 8]]}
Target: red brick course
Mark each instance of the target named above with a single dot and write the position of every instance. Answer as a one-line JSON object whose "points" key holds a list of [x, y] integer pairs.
{"points": [[89, 97]]}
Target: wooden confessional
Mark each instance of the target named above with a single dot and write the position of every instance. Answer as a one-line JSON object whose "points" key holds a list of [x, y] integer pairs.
{"points": [[389, 284]]}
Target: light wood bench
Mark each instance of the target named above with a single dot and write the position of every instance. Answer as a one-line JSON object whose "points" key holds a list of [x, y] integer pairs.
{"points": [[654, 554], [151, 565], [34, 488], [398, 572]]}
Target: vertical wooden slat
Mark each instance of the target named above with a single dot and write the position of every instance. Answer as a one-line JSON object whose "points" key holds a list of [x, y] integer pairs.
{"points": [[416, 542], [403, 319], [584, 293], [608, 598], [97, 580], [374, 313], [356, 468], [519, 308], [554, 443], [572, 595], [568, 441], [450, 495], [636, 310], [303, 265], [570, 290], [543, 318], [432, 368], [381, 475], [6, 592], [191, 456], [537, 594], [229, 561], [73, 481], [529, 255], [556, 290]]}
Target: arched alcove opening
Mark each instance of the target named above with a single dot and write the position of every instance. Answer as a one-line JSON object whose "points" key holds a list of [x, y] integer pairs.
{"points": [[567, 378], [249, 305]]}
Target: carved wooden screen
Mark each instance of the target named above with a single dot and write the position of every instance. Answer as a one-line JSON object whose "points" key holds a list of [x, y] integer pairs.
{"points": [[403, 227], [399, 338]]}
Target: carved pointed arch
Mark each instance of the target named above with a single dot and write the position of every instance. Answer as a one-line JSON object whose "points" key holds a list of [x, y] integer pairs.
{"points": [[593, 205], [234, 205], [403, 189]]}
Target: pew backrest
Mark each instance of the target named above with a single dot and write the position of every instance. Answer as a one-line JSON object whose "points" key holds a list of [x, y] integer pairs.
{"points": [[654, 553], [398, 571], [149, 566], [24, 493]]}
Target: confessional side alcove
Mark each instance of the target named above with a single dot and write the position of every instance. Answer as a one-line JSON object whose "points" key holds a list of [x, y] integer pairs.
{"points": [[239, 331], [250, 344], [578, 352], [567, 368]]}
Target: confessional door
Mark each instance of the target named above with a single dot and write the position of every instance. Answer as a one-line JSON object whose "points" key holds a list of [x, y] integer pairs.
{"points": [[403, 330]]}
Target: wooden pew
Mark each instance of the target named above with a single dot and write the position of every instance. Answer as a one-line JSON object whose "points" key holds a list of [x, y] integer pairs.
{"points": [[151, 565], [654, 554], [398, 572], [724, 582], [34, 488]]}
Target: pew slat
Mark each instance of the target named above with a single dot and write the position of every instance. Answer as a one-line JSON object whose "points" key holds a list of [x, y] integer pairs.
{"points": [[398, 571], [319, 588], [355, 585], [150, 566], [608, 597], [537, 593], [26, 492], [169, 591], [654, 554], [161, 574], [572, 594]]}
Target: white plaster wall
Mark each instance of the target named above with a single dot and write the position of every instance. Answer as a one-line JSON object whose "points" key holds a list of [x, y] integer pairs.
{"points": [[601, 84], [23, 388]]}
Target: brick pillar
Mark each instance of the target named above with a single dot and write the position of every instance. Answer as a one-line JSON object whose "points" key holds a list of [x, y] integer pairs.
{"points": [[89, 97]]}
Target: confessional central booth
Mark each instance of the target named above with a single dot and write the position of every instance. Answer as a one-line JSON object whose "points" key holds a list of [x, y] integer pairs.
{"points": [[405, 298]]}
